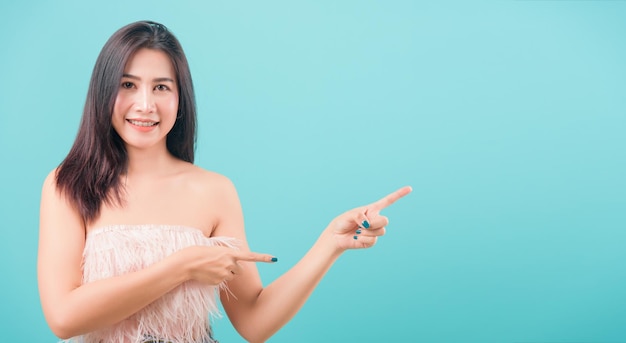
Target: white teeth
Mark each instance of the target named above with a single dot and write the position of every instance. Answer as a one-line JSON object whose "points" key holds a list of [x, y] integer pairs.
{"points": [[142, 123]]}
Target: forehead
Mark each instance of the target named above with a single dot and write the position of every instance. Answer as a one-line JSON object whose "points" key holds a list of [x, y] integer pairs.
{"points": [[149, 63]]}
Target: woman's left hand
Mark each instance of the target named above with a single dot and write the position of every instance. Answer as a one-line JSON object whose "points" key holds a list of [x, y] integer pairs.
{"points": [[360, 227]]}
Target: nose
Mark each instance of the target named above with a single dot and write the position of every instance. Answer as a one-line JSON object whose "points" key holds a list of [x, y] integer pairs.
{"points": [[144, 101]]}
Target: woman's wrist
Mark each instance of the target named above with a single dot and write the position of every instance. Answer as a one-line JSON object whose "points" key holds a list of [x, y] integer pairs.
{"points": [[329, 244], [178, 266]]}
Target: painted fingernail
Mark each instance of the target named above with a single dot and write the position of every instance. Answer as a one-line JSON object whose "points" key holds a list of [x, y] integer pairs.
{"points": [[356, 237], [274, 259], [366, 224], [358, 231]]}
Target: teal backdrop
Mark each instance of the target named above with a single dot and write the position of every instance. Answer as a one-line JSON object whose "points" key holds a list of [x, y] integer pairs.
{"points": [[508, 118]]}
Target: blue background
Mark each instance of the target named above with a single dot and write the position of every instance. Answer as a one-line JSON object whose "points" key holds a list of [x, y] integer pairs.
{"points": [[508, 119]]}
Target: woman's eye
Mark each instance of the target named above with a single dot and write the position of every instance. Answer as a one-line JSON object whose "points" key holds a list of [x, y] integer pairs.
{"points": [[127, 85], [161, 87]]}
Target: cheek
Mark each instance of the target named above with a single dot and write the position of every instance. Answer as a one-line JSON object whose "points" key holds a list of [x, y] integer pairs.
{"points": [[118, 107], [172, 105]]}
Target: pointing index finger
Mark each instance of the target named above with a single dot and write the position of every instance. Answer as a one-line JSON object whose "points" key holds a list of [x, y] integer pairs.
{"points": [[255, 257], [390, 198]]}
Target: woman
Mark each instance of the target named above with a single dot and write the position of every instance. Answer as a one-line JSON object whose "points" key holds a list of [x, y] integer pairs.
{"points": [[135, 240]]}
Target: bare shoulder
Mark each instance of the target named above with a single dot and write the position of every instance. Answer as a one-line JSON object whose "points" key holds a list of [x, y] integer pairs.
{"points": [[49, 187], [202, 175], [50, 179], [58, 212], [54, 199], [207, 182], [50, 192], [210, 197]]}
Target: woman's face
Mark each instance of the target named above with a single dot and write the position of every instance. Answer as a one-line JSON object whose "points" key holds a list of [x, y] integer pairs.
{"points": [[147, 102]]}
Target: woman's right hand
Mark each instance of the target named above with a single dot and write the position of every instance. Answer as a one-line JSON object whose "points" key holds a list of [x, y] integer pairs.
{"points": [[214, 265]]}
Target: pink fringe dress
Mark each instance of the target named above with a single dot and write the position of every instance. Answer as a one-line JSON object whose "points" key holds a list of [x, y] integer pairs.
{"points": [[180, 316]]}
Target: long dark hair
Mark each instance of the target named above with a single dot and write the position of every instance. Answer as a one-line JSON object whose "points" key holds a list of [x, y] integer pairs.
{"points": [[90, 174]]}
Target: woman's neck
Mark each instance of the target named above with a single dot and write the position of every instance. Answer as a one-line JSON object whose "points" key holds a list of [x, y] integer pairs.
{"points": [[147, 162]]}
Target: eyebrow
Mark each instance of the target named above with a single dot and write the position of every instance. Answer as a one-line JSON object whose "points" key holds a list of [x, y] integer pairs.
{"points": [[158, 79]]}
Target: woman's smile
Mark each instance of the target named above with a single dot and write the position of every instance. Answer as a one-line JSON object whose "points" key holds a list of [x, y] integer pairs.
{"points": [[142, 125]]}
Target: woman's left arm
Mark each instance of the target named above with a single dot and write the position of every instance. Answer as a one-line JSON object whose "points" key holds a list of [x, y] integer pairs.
{"points": [[256, 312]]}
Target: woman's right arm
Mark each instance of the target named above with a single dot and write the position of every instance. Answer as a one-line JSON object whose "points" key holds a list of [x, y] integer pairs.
{"points": [[71, 308]]}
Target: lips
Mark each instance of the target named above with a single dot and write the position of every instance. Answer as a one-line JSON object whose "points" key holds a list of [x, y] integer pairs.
{"points": [[142, 123]]}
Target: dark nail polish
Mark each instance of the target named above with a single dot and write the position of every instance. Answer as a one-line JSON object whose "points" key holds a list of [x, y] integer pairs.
{"points": [[274, 259], [355, 237], [366, 224], [358, 231]]}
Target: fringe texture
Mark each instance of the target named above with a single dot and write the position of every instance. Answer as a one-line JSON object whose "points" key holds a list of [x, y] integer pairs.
{"points": [[183, 315]]}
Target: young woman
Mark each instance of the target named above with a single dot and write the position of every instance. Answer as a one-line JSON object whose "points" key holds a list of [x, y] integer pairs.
{"points": [[136, 241]]}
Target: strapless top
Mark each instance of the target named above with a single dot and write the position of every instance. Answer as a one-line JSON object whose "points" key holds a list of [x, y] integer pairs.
{"points": [[182, 315]]}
